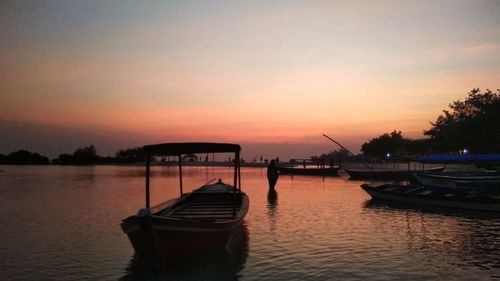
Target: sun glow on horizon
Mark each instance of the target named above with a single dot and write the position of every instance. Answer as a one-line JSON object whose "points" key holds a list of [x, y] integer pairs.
{"points": [[244, 72]]}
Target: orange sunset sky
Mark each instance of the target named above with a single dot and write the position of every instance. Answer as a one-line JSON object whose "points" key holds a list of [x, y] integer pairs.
{"points": [[270, 75]]}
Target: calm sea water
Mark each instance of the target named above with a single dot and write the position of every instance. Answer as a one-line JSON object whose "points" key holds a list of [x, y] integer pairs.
{"points": [[62, 223]]}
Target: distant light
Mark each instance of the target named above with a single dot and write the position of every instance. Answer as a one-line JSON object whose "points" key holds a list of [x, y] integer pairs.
{"points": [[466, 151], [388, 155]]}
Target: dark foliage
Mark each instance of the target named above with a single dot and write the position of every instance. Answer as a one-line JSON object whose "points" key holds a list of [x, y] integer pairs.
{"points": [[82, 156], [396, 146], [392, 143], [131, 155], [24, 157], [473, 124]]}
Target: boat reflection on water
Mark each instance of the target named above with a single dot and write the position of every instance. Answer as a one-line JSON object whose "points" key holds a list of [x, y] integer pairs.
{"points": [[216, 265], [460, 237]]}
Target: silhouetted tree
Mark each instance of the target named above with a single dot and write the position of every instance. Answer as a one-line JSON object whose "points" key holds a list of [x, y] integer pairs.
{"points": [[418, 146], [64, 159], [131, 155], [392, 143], [85, 155], [24, 157], [82, 156], [473, 124]]}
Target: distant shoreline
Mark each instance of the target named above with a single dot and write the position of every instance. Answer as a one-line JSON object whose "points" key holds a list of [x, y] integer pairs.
{"points": [[345, 165]]}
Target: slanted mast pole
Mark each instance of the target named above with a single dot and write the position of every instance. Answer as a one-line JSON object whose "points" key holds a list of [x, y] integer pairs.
{"points": [[147, 180], [180, 173]]}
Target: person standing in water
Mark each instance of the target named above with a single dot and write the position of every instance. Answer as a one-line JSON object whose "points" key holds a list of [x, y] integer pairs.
{"points": [[272, 174]]}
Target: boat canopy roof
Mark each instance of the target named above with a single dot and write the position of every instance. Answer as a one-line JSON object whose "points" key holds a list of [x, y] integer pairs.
{"points": [[459, 157], [190, 147]]}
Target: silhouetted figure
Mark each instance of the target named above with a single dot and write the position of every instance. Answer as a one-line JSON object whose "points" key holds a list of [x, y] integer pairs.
{"points": [[272, 174]]}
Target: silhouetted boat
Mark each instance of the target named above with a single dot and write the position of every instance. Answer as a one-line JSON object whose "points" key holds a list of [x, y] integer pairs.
{"points": [[321, 172], [480, 181], [432, 196], [398, 174], [197, 222]]}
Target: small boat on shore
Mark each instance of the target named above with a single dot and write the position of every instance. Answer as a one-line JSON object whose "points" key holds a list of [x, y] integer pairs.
{"points": [[197, 222], [436, 197], [320, 172], [398, 174]]}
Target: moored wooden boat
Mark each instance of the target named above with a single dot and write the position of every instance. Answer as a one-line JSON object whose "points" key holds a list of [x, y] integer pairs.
{"points": [[197, 222], [398, 174], [321, 172], [481, 181], [436, 197]]}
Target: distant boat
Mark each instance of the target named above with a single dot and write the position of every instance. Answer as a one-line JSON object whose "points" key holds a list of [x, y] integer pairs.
{"points": [[397, 174], [197, 222], [321, 172], [431, 196]]}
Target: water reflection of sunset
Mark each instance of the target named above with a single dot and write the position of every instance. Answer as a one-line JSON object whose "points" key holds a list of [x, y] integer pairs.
{"points": [[312, 230]]}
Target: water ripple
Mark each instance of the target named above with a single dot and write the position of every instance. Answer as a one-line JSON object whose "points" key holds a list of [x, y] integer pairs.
{"points": [[63, 224]]}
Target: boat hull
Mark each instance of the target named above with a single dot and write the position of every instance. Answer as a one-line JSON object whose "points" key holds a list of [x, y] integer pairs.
{"points": [[163, 246], [492, 205], [483, 183], [164, 241]]}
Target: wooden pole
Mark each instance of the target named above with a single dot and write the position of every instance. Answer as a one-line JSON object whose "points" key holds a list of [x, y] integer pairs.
{"points": [[180, 173], [147, 180]]}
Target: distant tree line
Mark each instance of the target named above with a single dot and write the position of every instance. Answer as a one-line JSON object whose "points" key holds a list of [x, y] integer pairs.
{"points": [[394, 145], [82, 156], [472, 125], [23, 157], [88, 156], [130, 155]]}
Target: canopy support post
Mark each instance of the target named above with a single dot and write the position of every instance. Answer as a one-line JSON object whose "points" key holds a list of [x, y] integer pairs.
{"points": [[147, 180], [236, 165], [180, 173], [239, 177]]}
